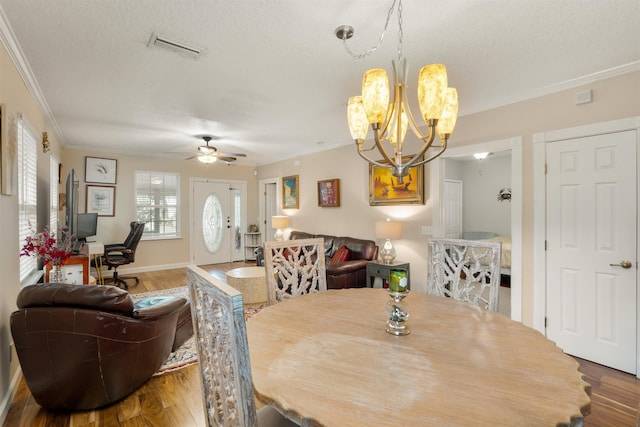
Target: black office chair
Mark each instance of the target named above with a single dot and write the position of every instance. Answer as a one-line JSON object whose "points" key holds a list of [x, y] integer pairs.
{"points": [[119, 254]]}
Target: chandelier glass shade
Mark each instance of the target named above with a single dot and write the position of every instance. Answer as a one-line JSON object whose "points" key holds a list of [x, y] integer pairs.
{"points": [[388, 113]]}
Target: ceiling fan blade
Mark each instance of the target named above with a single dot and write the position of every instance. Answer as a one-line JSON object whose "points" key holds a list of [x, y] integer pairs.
{"points": [[232, 154], [191, 157], [227, 159]]}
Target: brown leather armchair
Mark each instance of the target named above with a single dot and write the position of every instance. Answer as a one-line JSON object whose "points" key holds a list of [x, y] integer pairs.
{"points": [[82, 347]]}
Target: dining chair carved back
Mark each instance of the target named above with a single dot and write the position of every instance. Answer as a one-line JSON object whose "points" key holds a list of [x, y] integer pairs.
{"points": [[294, 267], [465, 270], [223, 355]]}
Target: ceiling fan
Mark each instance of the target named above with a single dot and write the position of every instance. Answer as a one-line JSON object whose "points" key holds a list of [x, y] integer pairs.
{"points": [[209, 154]]}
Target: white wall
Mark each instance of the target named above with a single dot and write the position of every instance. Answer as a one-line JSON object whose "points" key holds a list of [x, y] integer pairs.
{"points": [[482, 181]]}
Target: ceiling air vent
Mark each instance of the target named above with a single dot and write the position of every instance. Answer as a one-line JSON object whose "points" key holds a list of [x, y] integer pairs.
{"points": [[175, 47]]}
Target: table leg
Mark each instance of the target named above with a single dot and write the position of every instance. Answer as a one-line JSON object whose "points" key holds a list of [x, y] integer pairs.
{"points": [[97, 261]]}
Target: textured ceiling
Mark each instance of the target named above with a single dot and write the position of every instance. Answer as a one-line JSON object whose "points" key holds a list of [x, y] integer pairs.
{"points": [[273, 80]]}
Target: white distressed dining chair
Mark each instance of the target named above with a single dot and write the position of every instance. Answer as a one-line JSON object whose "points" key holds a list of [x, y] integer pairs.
{"points": [[294, 267], [223, 355], [465, 270]]}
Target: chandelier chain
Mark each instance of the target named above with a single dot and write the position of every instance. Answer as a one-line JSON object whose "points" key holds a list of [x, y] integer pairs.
{"points": [[384, 31], [399, 31]]}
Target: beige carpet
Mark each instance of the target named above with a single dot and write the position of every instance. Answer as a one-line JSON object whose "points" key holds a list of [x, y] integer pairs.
{"points": [[187, 354]]}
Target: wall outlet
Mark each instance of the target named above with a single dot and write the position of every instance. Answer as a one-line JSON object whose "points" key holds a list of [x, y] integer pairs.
{"points": [[427, 230]]}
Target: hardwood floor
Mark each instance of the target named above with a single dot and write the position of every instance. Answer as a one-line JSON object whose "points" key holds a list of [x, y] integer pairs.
{"points": [[174, 399]]}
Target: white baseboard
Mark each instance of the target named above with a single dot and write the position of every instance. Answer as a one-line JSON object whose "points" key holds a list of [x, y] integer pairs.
{"points": [[109, 273], [8, 398]]}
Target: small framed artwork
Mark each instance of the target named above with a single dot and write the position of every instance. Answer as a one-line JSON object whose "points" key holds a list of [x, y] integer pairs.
{"points": [[99, 170], [290, 193], [386, 189], [329, 193], [101, 199]]}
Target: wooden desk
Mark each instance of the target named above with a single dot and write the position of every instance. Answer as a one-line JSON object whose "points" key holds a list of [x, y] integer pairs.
{"points": [[327, 358]]}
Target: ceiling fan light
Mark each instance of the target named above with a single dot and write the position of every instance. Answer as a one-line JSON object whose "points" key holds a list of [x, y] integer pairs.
{"points": [[375, 94], [432, 85], [358, 123], [205, 149], [447, 122], [207, 158]]}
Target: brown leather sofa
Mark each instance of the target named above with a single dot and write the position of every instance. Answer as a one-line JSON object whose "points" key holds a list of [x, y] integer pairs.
{"points": [[82, 347], [348, 274]]}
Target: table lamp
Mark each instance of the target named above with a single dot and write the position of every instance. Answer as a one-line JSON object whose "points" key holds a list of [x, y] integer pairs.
{"points": [[388, 230], [279, 222]]}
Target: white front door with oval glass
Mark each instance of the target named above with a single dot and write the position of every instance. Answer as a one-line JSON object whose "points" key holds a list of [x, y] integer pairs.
{"points": [[212, 224]]}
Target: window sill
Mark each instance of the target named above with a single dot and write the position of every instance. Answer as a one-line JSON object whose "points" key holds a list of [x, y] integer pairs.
{"points": [[153, 238], [33, 278]]}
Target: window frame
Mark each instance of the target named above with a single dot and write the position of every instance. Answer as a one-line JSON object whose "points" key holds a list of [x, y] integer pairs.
{"points": [[139, 175]]}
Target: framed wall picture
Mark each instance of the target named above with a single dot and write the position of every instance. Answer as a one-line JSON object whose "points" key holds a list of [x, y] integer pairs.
{"points": [[386, 189], [329, 193], [290, 193], [101, 199], [99, 170]]}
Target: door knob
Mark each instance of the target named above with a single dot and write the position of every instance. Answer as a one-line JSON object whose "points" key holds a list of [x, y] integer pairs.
{"points": [[623, 264]]}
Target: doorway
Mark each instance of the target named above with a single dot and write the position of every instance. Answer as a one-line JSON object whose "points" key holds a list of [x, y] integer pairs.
{"points": [[268, 206], [218, 216], [586, 279], [437, 190]]}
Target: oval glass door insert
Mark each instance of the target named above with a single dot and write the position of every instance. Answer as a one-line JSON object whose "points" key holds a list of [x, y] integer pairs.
{"points": [[212, 223]]}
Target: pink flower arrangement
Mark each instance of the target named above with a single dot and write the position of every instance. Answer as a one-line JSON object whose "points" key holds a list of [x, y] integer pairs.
{"points": [[45, 246]]}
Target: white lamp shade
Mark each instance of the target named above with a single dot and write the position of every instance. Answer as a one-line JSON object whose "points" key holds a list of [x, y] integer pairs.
{"points": [[280, 221], [388, 230]]}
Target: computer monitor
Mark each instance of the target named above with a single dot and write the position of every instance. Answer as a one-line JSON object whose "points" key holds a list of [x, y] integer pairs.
{"points": [[86, 226]]}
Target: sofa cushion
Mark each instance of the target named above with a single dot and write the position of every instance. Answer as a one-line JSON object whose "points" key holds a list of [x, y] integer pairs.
{"points": [[342, 254]]}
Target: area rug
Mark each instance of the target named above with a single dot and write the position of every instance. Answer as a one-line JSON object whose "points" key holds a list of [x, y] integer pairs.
{"points": [[187, 354]]}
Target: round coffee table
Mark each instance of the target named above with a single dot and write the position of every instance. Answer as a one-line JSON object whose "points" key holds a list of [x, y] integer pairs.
{"points": [[251, 282]]}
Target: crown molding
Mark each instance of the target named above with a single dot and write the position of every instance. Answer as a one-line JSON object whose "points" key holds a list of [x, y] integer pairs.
{"points": [[11, 45]]}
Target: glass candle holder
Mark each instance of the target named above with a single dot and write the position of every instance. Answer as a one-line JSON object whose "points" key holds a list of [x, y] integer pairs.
{"points": [[398, 314], [397, 308]]}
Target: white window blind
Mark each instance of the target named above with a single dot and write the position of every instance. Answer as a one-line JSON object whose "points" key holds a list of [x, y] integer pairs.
{"points": [[53, 204], [157, 202], [27, 192]]}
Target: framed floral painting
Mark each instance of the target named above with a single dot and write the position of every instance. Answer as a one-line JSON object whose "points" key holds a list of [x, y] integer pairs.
{"points": [[99, 170]]}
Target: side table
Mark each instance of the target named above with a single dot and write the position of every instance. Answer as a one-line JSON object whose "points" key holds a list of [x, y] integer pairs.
{"points": [[95, 250], [380, 269]]}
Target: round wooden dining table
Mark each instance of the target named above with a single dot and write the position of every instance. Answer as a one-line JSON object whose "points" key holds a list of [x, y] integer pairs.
{"points": [[324, 359]]}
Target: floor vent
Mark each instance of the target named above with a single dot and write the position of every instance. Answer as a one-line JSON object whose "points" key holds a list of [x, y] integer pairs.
{"points": [[175, 47]]}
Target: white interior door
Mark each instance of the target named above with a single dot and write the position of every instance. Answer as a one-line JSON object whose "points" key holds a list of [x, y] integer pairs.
{"points": [[452, 209], [591, 234], [212, 222], [271, 209]]}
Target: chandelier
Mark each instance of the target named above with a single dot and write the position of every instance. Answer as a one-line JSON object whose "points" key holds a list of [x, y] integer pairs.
{"points": [[389, 120]]}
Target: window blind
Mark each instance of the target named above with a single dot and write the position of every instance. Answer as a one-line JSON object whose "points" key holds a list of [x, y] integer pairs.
{"points": [[157, 201], [27, 192], [53, 203]]}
